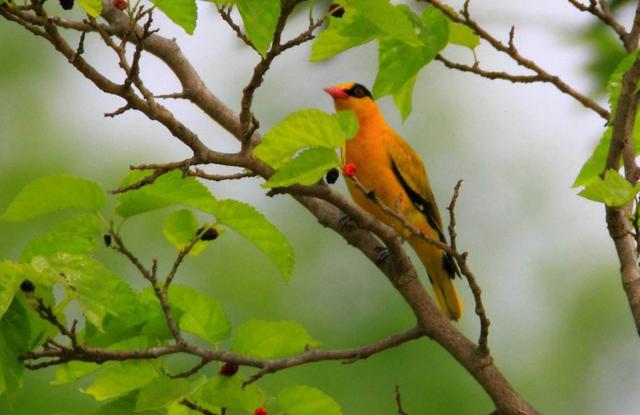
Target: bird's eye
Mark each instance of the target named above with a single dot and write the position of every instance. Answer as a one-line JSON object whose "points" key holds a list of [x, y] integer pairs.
{"points": [[358, 91]]}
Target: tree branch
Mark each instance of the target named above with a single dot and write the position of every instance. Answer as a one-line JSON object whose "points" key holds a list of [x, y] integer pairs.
{"points": [[618, 218], [603, 13], [325, 204], [510, 50]]}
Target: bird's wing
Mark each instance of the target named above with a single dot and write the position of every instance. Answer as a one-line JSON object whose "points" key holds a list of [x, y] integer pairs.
{"points": [[410, 172]]}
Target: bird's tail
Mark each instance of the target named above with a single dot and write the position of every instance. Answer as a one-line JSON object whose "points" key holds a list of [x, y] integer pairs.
{"points": [[441, 271]]}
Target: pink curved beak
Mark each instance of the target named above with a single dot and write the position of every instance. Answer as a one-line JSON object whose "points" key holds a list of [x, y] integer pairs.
{"points": [[336, 92]]}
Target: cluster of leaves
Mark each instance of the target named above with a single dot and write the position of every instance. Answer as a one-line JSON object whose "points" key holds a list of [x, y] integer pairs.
{"points": [[406, 42], [118, 317], [610, 188]]}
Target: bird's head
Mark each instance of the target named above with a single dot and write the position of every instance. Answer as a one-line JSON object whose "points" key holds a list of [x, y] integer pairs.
{"points": [[354, 97]]}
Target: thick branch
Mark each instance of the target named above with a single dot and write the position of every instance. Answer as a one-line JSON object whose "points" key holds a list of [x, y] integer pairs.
{"points": [[327, 205], [618, 218]]}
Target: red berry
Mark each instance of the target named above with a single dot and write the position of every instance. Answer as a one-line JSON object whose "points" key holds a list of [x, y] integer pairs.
{"points": [[349, 170], [261, 411], [120, 4], [229, 369]]}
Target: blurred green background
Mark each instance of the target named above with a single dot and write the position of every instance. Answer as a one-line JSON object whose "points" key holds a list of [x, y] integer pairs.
{"points": [[561, 330]]}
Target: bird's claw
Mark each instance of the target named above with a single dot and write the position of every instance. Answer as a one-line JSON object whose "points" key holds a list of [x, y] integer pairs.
{"points": [[383, 254]]}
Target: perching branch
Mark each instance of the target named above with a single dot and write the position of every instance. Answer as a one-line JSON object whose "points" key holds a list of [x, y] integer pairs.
{"points": [[324, 203]]}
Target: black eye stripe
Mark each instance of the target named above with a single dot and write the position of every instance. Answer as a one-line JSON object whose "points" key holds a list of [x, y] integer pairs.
{"points": [[358, 91]]}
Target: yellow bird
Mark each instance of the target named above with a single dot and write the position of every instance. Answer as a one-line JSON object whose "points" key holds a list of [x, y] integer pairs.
{"points": [[389, 167]]}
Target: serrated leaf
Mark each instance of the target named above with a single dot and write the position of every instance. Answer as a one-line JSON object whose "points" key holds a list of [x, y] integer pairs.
{"points": [[389, 19], [124, 405], [161, 392], [169, 189], [201, 315], [15, 332], [184, 13], [403, 98], [180, 227], [305, 400], [72, 371], [592, 168], [11, 275], [342, 34], [270, 339], [615, 80], [399, 62], [121, 379], [307, 168], [52, 194], [259, 18], [305, 128], [613, 190], [77, 235], [97, 289], [254, 226], [92, 7], [228, 392], [348, 122], [462, 35]]}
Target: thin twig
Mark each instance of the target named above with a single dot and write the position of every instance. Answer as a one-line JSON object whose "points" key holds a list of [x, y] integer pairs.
{"points": [[399, 402], [195, 407], [525, 79], [604, 14], [159, 170], [510, 50], [220, 177]]}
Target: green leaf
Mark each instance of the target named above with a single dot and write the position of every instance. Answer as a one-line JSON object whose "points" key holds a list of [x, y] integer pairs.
{"points": [[184, 13], [305, 400], [348, 122], [251, 224], [595, 165], [398, 62], [201, 315], [180, 228], [615, 80], [389, 19], [124, 405], [54, 193], [97, 289], [77, 235], [462, 35], [344, 33], [92, 7], [308, 168], [613, 190], [161, 392], [15, 332], [121, 379], [169, 189], [11, 275], [72, 371], [403, 98], [270, 339], [259, 18], [306, 128], [228, 392]]}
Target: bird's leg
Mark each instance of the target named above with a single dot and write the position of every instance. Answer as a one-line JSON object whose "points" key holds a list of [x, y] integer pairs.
{"points": [[383, 254]]}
